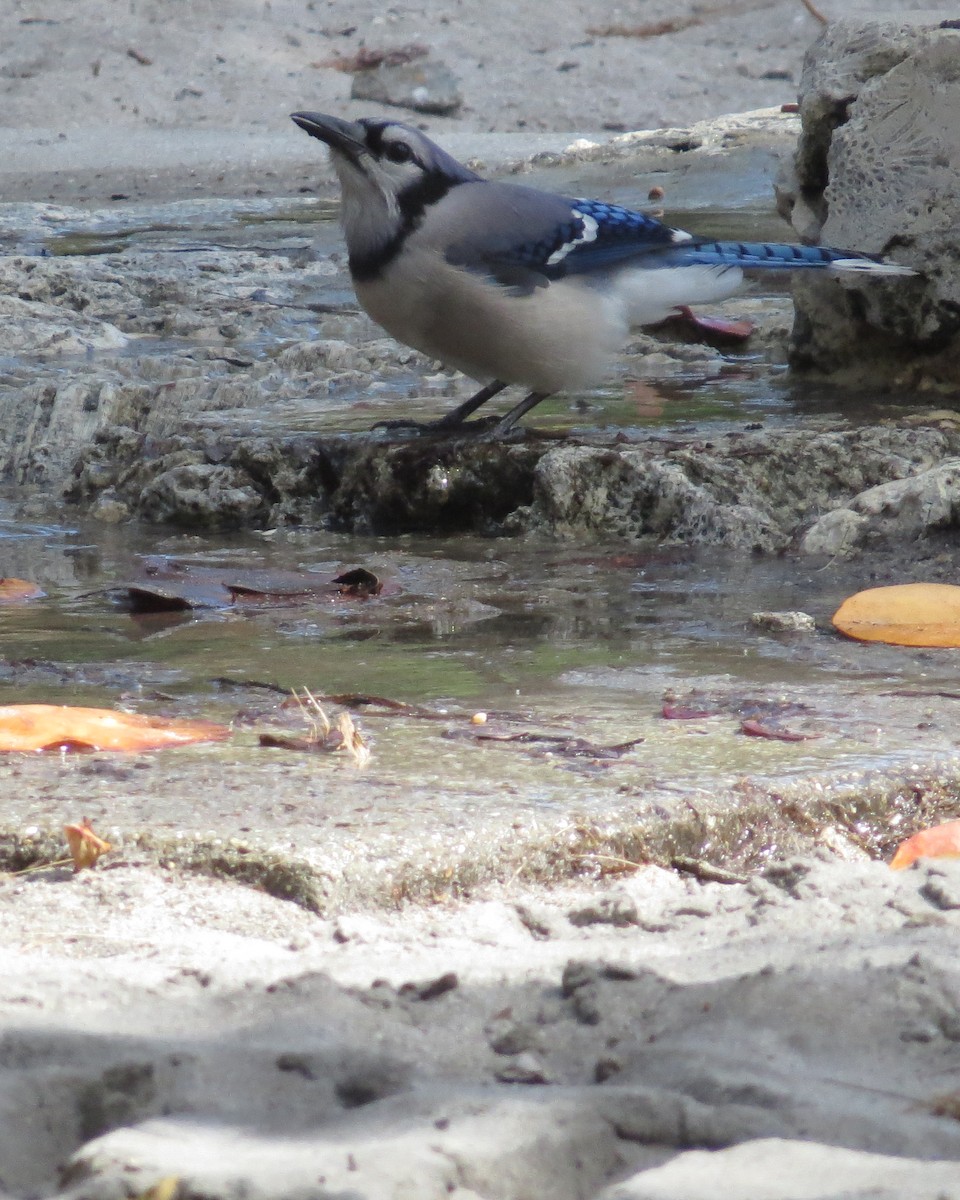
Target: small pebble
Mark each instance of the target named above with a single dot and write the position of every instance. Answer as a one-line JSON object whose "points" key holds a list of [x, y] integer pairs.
{"points": [[606, 1068], [784, 622], [525, 1068]]}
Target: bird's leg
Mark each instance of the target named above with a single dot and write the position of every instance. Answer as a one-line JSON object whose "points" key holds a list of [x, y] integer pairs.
{"points": [[452, 419], [508, 420], [458, 415]]}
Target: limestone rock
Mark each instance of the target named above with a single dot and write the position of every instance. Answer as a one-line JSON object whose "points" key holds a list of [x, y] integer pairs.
{"points": [[878, 169], [898, 511], [425, 86], [202, 494], [755, 491]]}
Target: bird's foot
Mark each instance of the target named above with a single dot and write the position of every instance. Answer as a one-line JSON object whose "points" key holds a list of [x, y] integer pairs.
{"points": [[455, 421], [441, 425], [407, 425], [456, 427]]}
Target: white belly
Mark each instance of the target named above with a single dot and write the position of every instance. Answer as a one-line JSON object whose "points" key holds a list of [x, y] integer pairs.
{"points": [[564, 335]]}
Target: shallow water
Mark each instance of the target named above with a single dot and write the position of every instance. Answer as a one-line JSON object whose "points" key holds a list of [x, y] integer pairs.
{"points": [[561, 641], [580, 639], [189, 235]]}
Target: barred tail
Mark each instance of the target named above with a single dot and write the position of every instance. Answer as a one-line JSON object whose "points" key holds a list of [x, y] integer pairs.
{"points": [[780, 256]]}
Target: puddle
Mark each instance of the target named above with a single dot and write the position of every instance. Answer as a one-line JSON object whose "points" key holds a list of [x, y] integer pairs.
{"points": [[545, 641], [563, 641]]}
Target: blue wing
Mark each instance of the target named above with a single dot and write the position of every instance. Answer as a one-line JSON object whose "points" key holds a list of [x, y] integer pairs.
{"points": [[524, 239], [598, 236], [593, 237]]}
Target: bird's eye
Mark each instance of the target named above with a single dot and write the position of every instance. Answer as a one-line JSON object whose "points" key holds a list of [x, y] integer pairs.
{"points": [[399, 152]]}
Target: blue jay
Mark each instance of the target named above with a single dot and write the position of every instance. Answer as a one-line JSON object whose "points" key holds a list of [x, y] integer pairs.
{"points": [[512, 285]]}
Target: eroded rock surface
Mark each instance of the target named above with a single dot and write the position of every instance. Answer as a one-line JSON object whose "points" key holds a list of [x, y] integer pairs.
{"points": [[878, 169], [206, 386], [750, 491]]}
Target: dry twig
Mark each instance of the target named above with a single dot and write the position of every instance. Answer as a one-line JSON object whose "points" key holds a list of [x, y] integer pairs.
{"points": [[814, 12], [675, 24]]}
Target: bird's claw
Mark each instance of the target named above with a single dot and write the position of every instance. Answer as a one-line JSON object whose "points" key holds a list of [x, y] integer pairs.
{"points": [[439, 426]]}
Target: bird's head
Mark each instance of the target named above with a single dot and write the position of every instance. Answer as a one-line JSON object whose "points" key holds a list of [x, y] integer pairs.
{"points": [[389, 174]]}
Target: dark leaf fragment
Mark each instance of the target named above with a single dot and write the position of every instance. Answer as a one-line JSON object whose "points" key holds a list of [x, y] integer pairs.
{"points": [[564, 745], [358, 582], [755, 728], [170, 585], [431, 988]]}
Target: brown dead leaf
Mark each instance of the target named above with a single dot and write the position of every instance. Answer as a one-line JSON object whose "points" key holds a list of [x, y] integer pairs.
{"points": [[712, 330], [706, 872], [755, 728], [429, 989], [564, 745], [85, 846], [358, 582], [31, 727], [389, 707], [167, 584], [281, 741]]}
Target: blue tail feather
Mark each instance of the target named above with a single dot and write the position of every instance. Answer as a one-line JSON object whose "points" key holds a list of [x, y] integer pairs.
{"points": [[780, 256]]}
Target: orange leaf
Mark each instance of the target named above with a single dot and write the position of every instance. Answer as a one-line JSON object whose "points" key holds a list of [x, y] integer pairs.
{"points": [[85, 846], [52, 727], [908, 614], [15, 591], [942, 841]]}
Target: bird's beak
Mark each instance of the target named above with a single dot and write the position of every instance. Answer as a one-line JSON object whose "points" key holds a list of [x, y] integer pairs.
{"points": [[343, 137]]}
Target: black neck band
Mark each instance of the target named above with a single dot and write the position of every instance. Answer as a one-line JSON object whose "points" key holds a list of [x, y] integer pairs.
{"points": [[413, 203]]}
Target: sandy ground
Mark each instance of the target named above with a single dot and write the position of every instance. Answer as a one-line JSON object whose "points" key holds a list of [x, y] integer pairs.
{"points": [[156, 97], [244, 64], [795, 1035]]}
